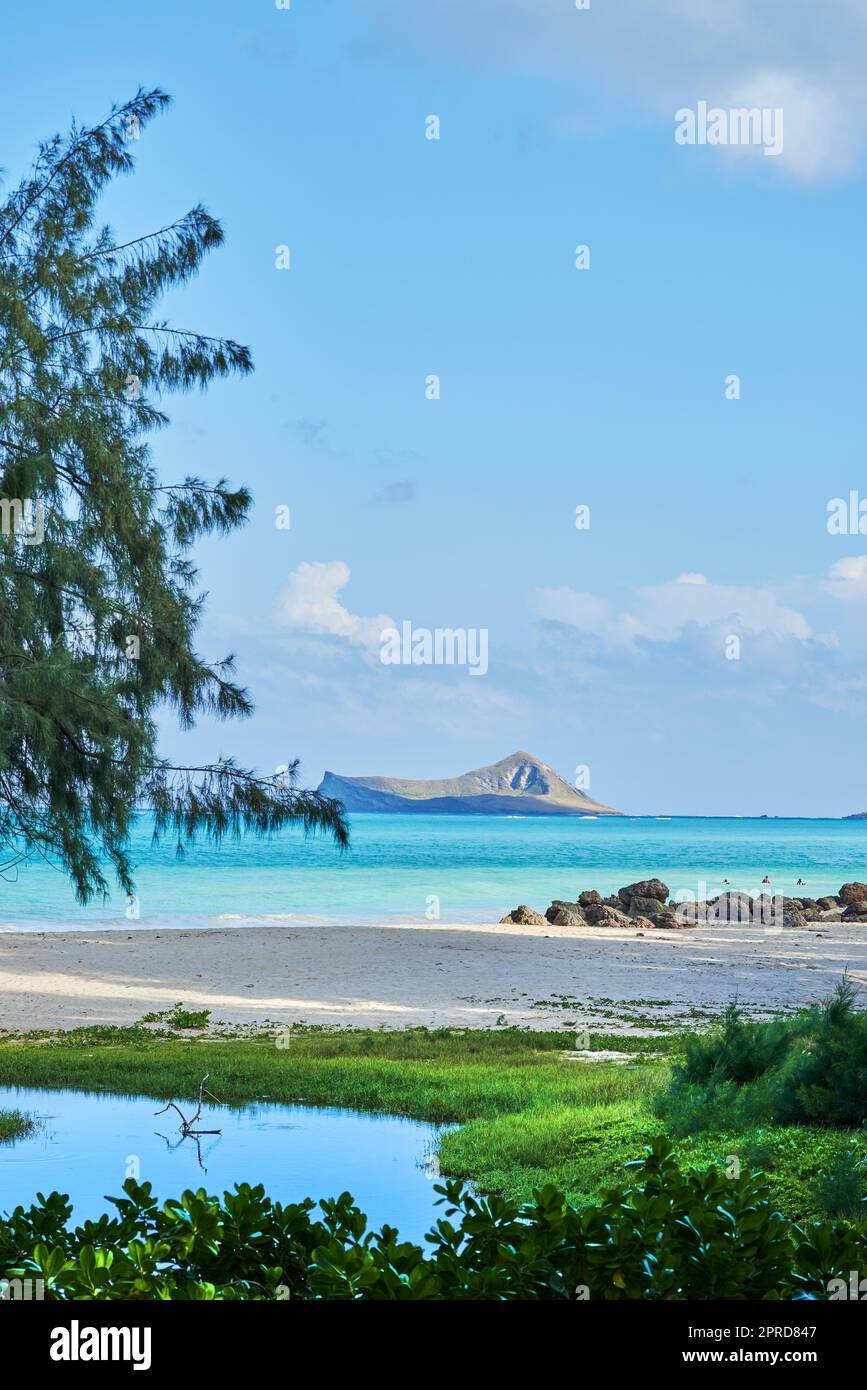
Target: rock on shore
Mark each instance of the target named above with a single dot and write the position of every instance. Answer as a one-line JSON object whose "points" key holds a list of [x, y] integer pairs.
{"points": [[522, 916], [646, 905]]}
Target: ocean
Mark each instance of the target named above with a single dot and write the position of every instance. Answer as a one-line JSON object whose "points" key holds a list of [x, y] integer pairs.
{"points": [[441, 868]]}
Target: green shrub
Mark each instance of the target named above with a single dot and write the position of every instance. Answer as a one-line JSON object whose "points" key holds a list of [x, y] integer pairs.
{"points": [[179, 1017], [841, 1190], [671, 1235], [807, 1068]]}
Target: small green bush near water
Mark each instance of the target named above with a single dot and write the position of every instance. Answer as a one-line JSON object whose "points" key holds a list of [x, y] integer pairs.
{"points": [[808, 1068], [670, 1235]]}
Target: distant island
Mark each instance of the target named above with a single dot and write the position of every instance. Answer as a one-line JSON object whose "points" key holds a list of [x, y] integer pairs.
{"points": [[857, 815], [517, 785]]}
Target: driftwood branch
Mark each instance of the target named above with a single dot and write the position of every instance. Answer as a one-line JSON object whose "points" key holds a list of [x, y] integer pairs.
{"points": [[187, 1127]]}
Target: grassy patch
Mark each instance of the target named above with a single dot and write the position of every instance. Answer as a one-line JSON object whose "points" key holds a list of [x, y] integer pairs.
{"points": [[440, 1076], [13, 1124], [525, 1114]]}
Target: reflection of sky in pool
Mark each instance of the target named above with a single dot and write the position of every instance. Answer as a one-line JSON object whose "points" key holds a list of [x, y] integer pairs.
{"points": [[84, 1143]]}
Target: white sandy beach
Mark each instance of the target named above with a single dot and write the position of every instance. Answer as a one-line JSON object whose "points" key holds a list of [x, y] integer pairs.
{"points": [[438, 975]]}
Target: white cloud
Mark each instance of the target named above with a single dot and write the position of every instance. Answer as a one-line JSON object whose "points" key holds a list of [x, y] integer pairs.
{"points": [[308, 603], [822, 129], [847, 579], [585, 611], [663, 612], [853, 567], [661, 55]]}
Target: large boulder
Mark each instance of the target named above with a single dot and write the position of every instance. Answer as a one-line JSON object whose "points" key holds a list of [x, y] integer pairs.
{"points": [[853, 893], [668, 920], [775, 912], [522, 916], [590, 898], [602, 916], [642, 907], [828, 904], [691, 913], [732, 907], [855, 912], [794, 917], [565, 914], [768, 910], [646, 888]]}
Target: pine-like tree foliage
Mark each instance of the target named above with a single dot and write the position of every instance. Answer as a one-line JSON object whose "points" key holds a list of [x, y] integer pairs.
{"points": [[98, 601]]}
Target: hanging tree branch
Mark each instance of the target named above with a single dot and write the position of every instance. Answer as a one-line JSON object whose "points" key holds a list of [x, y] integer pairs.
{"points": [[79, 320]]}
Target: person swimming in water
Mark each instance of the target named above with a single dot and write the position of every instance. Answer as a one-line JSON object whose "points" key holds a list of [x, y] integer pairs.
{"points": [[766, 879], [800, 883]]}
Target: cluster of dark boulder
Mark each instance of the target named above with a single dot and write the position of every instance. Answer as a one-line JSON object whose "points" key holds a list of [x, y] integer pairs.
{"points": [[647, 905], [641, 905], [779, 910]]}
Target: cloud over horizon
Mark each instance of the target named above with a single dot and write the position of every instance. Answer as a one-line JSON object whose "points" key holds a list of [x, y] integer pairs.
{"points": [[663, 612], [308, 603], [808, 59]]}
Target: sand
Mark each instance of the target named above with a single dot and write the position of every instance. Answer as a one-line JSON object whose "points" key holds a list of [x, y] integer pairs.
{"points": [[395, 976]]}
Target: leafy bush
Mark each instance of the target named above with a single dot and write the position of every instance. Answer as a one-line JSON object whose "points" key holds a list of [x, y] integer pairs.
{"points": [[841, 1190], [179, 1017], [808, 1068], [672, 1235]]}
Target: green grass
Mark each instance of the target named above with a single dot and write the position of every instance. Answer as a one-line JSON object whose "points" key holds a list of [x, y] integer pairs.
{"points": [[440, 1076], [525, 1116], [13, 1125]]}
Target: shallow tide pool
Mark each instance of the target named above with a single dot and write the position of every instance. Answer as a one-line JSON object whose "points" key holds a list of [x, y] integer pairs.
{"points": [[85, 1144]]}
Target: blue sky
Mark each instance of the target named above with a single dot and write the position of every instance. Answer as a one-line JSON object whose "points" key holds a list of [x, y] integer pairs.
{"points": [[306, 127]]}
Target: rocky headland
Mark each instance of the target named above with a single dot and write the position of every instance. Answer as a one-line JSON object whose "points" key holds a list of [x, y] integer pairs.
{"points": [[518, 785]]}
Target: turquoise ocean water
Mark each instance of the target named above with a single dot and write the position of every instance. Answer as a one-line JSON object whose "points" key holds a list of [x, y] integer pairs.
{"points": [[466, 868]]}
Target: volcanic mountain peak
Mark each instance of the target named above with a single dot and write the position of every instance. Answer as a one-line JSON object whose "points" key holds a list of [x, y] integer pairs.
{"points": [[517, 785]]}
